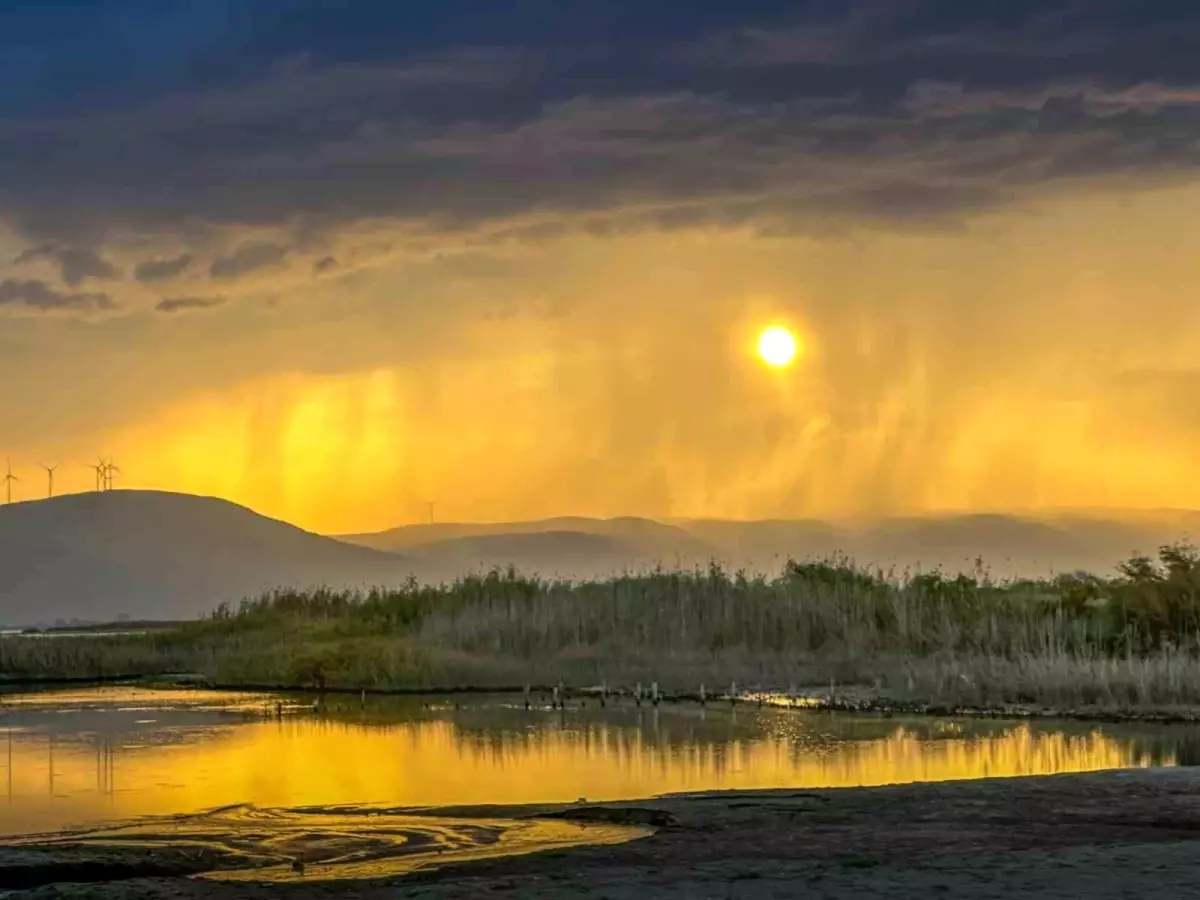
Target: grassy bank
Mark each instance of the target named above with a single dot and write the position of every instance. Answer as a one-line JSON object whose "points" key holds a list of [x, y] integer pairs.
{"points": [[1127, 641]]}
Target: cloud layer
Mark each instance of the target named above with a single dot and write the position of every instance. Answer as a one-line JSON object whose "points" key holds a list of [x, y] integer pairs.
{"points": [[867, 109], [179, 304], [37, 295]]}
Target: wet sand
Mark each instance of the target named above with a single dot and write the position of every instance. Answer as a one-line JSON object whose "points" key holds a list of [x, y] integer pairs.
{"points": [[1116, 834], [249, 844]]}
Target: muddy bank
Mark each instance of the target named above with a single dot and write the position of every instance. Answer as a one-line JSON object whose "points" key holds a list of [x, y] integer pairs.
{"points": [[31, 867], [850, 698], [255, 845], [1134, 833]]}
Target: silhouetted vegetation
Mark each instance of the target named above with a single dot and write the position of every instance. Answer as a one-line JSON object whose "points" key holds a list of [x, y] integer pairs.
{"points": [[1129, 640]]}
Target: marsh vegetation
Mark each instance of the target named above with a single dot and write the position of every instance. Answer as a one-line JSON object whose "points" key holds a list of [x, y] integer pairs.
{"points": [[1127, 641]]}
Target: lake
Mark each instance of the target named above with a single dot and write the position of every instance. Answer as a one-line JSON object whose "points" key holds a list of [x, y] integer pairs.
{"points": [[82, 757]]}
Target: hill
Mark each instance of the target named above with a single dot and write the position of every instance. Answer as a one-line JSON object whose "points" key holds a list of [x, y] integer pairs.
{"points": [[1008, 545], [1030, 545], [647, 533], [574, 546], [572, 555], [155, 555]]}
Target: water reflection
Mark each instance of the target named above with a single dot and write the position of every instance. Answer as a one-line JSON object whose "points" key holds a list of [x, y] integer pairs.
{"points": [[95, 756]]}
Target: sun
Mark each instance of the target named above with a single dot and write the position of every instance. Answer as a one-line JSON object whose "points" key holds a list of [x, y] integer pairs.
{"points": [[777, 347]]}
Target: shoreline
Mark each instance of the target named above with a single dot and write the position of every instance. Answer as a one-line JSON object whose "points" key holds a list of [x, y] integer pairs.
{"points": [[854, 700], [1128, 832]]}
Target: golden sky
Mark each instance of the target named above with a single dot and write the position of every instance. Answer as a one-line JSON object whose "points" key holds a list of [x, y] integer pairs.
{"points": [[371, 261], [1037, 356]]}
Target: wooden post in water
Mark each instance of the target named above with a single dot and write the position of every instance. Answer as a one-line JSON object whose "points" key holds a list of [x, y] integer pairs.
{"points": [[654, 692], [703, 698], [637, 693], [527, 703], [733, 693], [603, 692], [362, 699], [554, 701]]}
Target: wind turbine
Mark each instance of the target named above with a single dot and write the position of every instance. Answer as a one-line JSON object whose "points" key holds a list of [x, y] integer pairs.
{"points": [[9, 478], [50, 478], [99, 469], [109, 470]]}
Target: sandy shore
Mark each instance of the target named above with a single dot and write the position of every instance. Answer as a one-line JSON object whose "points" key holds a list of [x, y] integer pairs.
{"points": [[1117, 834]]}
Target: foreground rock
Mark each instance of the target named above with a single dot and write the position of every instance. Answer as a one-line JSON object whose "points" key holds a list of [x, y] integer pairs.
{"points": [[1103, 835]]}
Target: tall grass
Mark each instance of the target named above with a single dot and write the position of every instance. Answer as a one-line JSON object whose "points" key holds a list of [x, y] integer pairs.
{"points": [[1128, 640]]}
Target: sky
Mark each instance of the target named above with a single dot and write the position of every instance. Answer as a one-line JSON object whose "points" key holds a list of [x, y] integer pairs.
{"points": [[342, 261]]}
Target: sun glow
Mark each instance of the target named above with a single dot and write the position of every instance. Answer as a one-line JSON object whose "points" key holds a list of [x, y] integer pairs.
{"points": [[777, 347]]}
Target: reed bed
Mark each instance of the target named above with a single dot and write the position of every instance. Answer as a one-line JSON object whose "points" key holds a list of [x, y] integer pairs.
{"points": [[1126, 641]]}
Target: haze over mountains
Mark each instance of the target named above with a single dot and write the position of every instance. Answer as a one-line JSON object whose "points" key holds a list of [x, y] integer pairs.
{"points": [[154, 555], [565, 546], [1008, 545]]}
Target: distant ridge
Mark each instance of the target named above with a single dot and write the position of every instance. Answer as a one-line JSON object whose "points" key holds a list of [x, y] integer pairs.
{"points": [[158, 555], [625, 527], [155, 555], [1008, 545], [561, 547]]}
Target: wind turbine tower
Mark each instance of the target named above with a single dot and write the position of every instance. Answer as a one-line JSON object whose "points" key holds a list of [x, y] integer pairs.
{"points": [[9, 478], [50, 479], [98, 468], [109, 470]]}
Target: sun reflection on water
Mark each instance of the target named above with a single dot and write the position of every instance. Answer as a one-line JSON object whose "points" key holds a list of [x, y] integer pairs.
{"points": [[112, 765]]}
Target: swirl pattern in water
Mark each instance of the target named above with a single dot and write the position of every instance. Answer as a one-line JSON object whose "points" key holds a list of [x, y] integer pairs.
{"points": [[248, 843]]}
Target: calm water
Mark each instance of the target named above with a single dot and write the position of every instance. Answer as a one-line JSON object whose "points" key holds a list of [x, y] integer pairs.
{"points": [[85, 757]]}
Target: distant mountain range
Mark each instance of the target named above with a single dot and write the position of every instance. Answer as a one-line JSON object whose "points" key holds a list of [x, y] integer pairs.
{"points": [[1007, 545], [565, 546], [153, 555]]}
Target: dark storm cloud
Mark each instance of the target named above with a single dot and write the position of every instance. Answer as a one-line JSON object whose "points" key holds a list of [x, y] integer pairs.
{"points": [[75, 264], [162, 269], [668, 114], [38, 295], [178, 304], [248, 258]]}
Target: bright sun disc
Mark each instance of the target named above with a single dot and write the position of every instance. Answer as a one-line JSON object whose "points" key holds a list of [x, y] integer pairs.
{"points": [[777, 347]]}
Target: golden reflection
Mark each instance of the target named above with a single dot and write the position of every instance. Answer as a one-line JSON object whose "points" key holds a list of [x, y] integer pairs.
{"points": [[312, 761]]}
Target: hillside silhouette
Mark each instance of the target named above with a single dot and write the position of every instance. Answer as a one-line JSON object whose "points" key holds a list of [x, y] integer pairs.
{"points": [[1009, 546], [156, 555], [98, 556], [648, 536]]}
